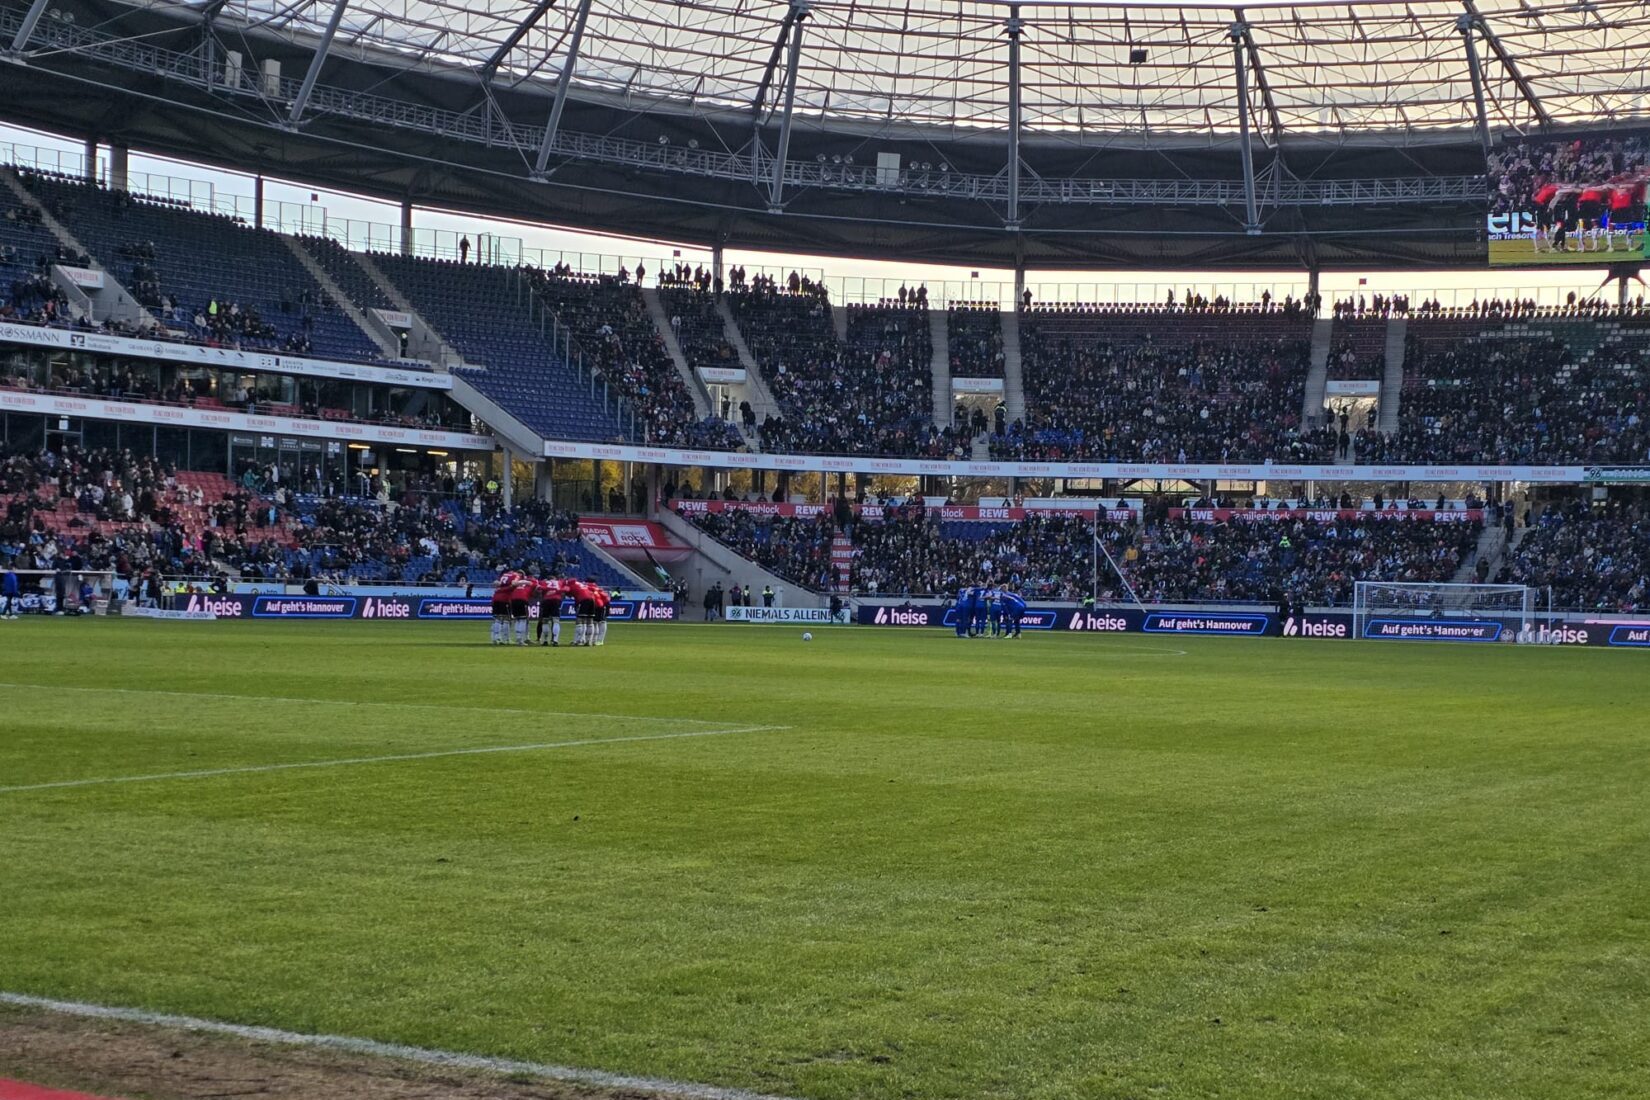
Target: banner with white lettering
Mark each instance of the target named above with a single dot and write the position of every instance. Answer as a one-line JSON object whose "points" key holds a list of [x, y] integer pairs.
{"points": [[103, 343], [786, 615]]}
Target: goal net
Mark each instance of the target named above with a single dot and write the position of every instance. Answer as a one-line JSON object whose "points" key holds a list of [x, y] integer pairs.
{"points": [[1401, 608]]}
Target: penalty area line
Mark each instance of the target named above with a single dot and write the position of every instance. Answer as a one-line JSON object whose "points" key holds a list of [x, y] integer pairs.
{"points": [[541, 746], [681, 1090]]}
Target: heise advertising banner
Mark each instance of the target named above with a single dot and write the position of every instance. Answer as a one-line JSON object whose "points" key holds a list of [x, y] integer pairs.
{"points": [[392, 608], [1334, 625], [786, 615]]}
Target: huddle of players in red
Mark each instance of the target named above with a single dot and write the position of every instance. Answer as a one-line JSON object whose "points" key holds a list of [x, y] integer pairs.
{"points": [[1575, 218], [515, 594]]}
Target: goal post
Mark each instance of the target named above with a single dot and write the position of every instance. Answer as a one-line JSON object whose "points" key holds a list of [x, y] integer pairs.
{"points": [[1402, 602]]}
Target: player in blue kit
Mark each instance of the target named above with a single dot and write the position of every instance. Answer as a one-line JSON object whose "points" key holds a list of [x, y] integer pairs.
{"points": [[964, 611], [1013, 608], [994, 610], [982, 610]]}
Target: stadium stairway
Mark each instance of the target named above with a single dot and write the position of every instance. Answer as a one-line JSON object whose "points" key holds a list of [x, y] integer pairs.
{"points": [[939, 365], [839, 322], [1014, 388], [1492, 544], [713, 561], [661, 325], [1317, 374], [758, 394], [113, 302], [1392, 382], [377, 331], [427, 342]]}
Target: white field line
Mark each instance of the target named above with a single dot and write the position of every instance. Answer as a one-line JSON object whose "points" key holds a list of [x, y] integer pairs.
{"points": [[348, 761], [678, 1090], [354, 703]]}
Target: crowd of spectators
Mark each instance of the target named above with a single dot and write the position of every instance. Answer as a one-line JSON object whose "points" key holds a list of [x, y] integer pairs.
{"points": [[911, 551], [1517, 396], [1312, 560], [1519, 168], [870, 394], [1592, 559], [797, 549], [1122, 387], [98, 510], [610, 324], [976, 340]]}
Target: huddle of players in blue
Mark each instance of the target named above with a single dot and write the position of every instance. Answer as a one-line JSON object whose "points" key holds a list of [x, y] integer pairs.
{"points": [[999, 609]]}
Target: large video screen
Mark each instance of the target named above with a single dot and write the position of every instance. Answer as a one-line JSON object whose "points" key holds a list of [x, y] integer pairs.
{"points": [[1579, 200]]}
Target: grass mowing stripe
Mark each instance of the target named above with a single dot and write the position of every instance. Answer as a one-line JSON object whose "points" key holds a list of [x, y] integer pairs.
{"points": [[543, 745], [353, 703], [446, 1058]]}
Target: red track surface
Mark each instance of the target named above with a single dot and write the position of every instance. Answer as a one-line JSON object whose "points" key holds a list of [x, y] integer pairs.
{"points": [[17, 1090]]}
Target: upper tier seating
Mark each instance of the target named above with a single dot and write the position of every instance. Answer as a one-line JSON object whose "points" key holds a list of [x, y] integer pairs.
{"points": [[178, 263], [483, 311], [610, 323], [1150, 385]]}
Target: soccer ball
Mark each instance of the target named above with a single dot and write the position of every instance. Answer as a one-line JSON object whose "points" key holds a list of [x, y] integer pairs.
{"points": [[807, 636]]}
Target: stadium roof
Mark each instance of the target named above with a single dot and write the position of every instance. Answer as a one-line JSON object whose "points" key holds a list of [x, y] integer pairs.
{"points": [[1086, 68], [865, 127]]}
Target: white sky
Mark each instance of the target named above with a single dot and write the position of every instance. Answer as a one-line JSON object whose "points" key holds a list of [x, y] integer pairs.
{"points": [[850, 279]]}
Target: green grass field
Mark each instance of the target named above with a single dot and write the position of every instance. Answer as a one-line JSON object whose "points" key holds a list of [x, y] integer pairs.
{"points": [[1071, 866]]}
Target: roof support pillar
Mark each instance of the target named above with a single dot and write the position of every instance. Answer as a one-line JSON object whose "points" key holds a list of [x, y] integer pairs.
{"points": [[30, 20], [513, 39], [1015, 27], [1251, 219], [776, 189], [1509, 63], [300, 100], [1464, 24], [580, 17]]}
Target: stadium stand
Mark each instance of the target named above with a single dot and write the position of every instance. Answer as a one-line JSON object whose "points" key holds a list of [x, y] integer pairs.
{"points": [[1537, 389], [976, 335], [425, 539], [27, 250], [206, 275], [104, 509], [1150, 384], [871, 394], [1590, 560], [480, 309], [1357, 348], [610, 323], [912, 551]]}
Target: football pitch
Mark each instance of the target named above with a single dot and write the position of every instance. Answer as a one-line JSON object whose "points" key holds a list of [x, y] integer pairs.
{"points": [[883, 864]]}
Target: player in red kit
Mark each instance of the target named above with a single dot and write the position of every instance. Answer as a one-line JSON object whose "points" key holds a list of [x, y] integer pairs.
{"points": [[550, 611], [599, 621], [584, 602], [502, 588], [522, 595]]}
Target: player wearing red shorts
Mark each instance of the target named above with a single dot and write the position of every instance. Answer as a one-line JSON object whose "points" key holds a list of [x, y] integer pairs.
{"points": [[502, 588]]}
